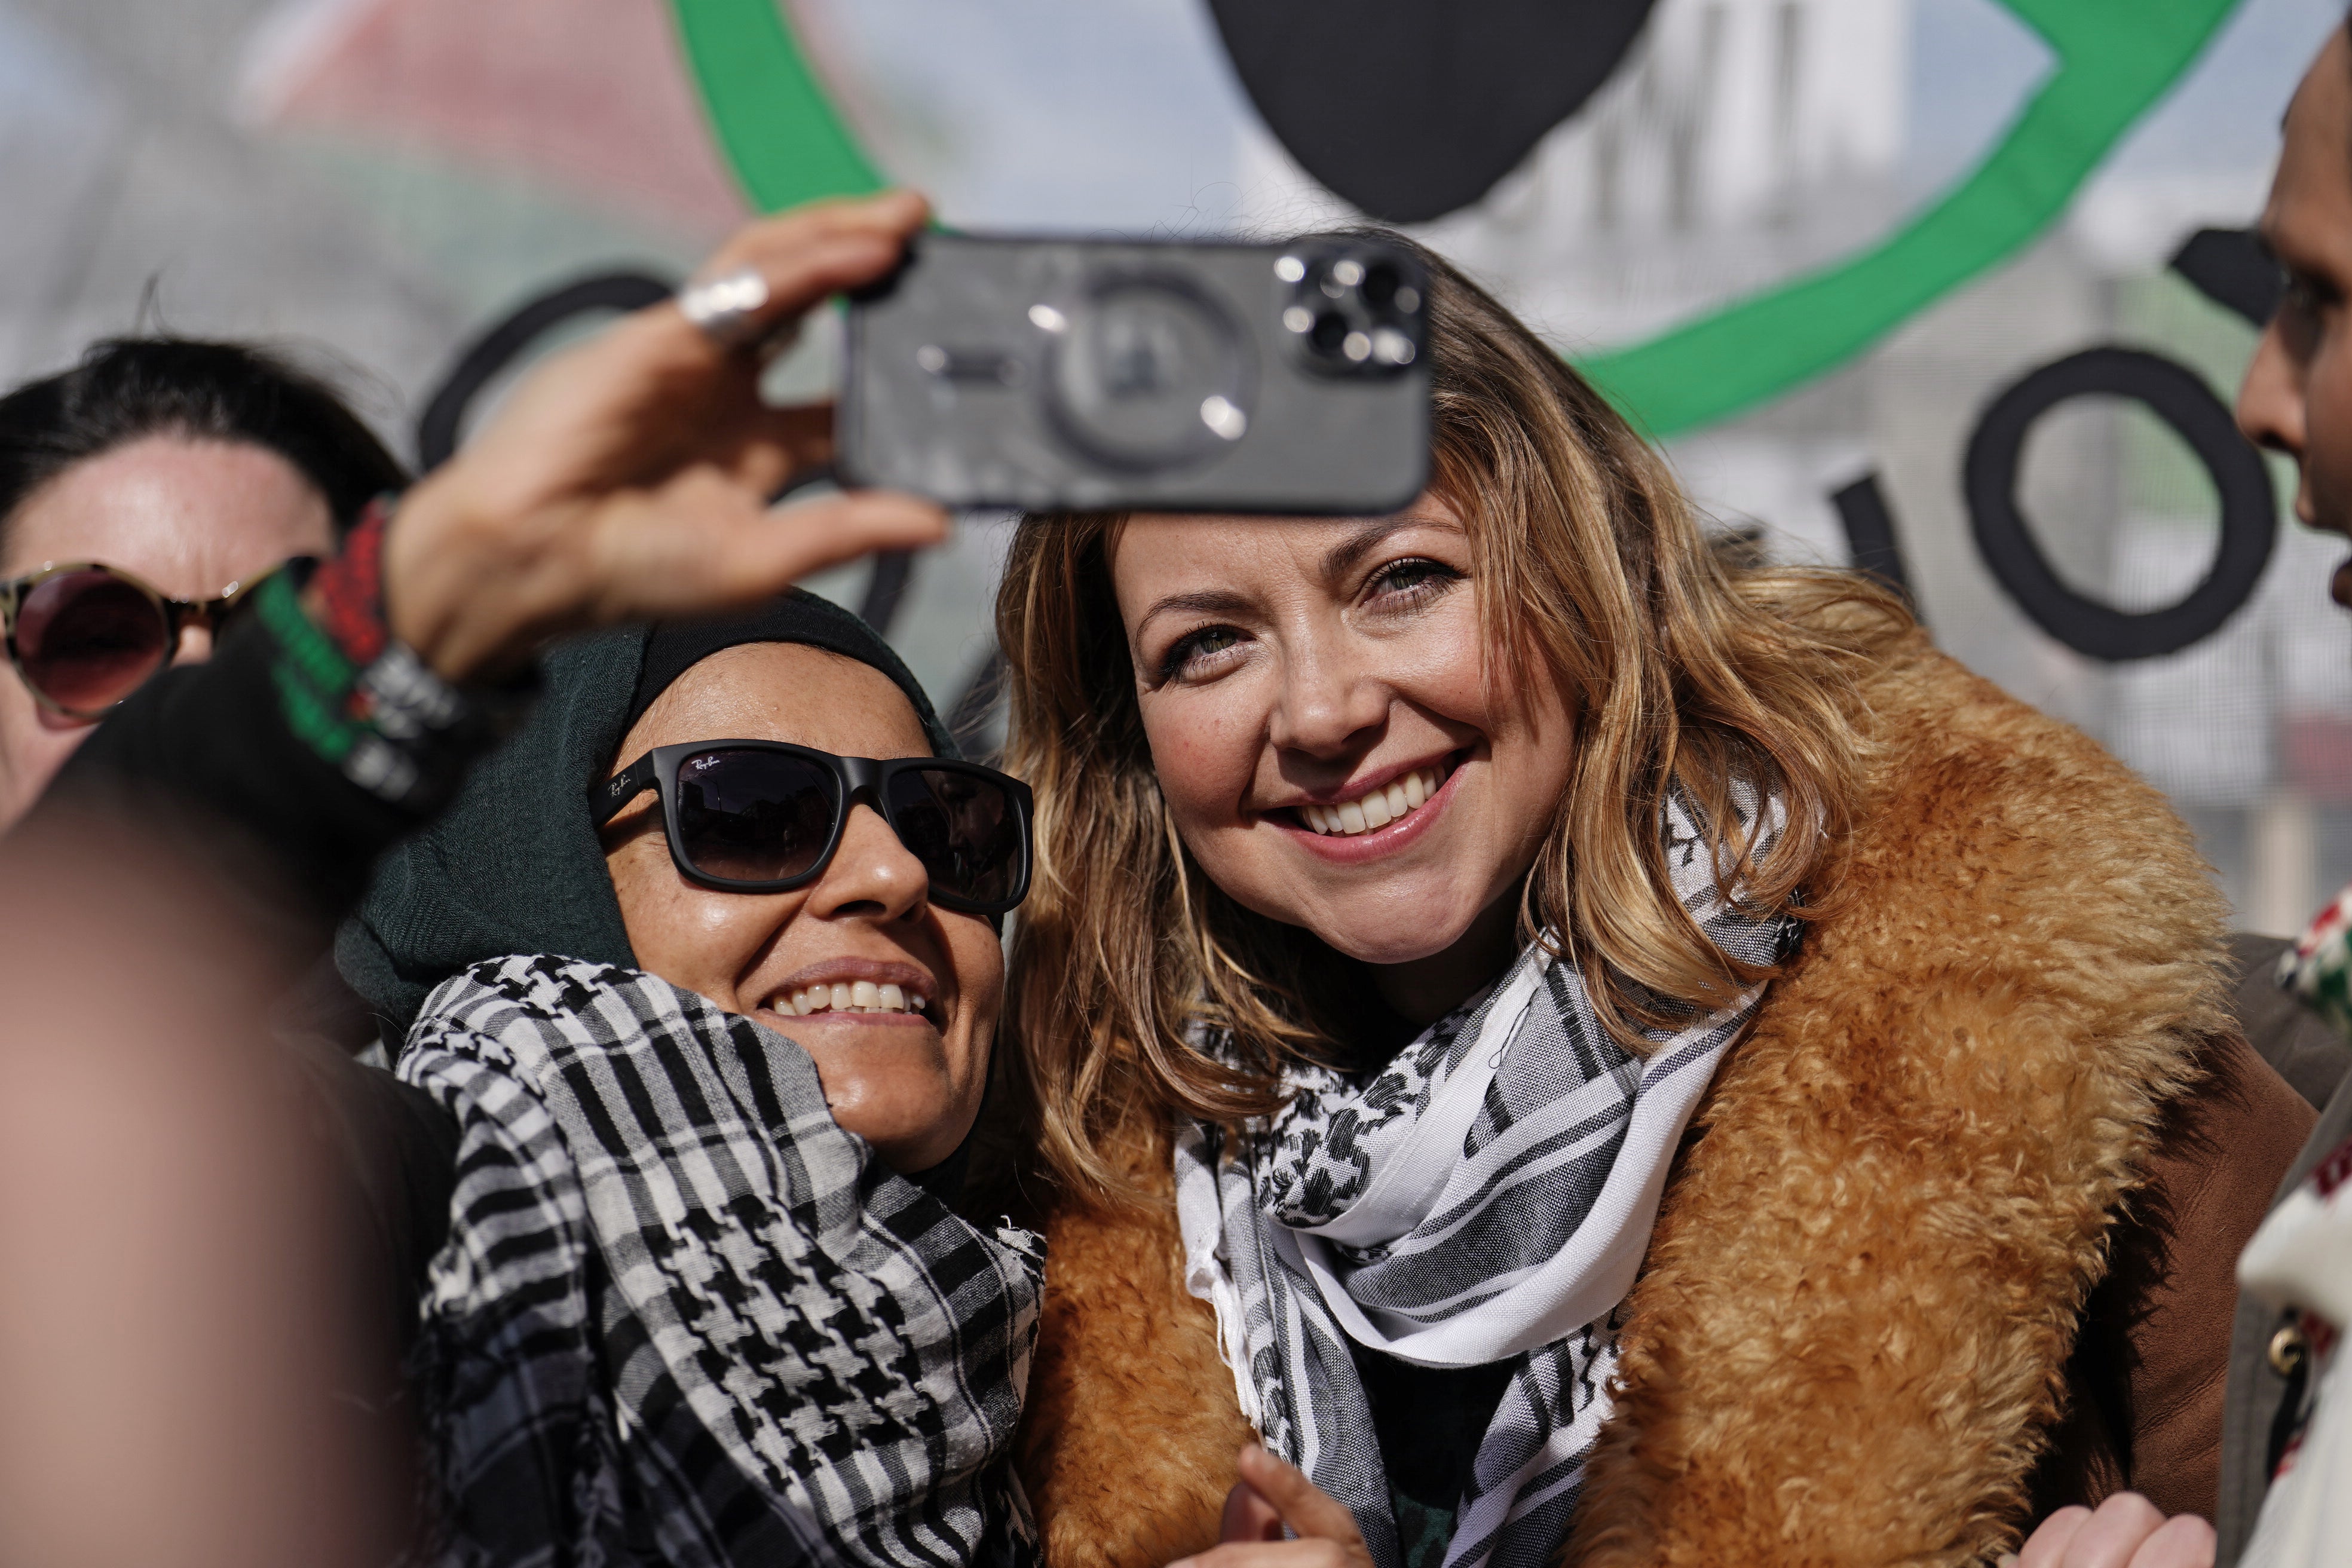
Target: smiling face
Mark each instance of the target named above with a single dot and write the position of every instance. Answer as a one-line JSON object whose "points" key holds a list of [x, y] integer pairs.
{"points": [[895, 999], [1330, 741], [187, 517], [2297, 396]]}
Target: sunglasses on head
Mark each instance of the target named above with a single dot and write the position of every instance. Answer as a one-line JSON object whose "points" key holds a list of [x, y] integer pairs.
{"points": [[764, 816], [84, 637]]}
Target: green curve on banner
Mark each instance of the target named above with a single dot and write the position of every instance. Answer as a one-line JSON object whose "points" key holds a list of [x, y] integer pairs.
{"points": [[779, 130], [2115, 58]]}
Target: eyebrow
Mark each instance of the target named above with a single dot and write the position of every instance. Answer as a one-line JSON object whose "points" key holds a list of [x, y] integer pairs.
{"points": [[1338, 562], [1206, 602], [1343, 557]]}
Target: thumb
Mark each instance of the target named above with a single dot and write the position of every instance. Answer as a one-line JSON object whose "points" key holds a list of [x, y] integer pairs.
{"points": [[701, 544], [1312, 1513], [1249, 1517]]}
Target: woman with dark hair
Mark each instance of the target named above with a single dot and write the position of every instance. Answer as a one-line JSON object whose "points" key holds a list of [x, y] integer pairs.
{"points": [[628, 479], [704, 966], [140, 491], [1592, 1053]]}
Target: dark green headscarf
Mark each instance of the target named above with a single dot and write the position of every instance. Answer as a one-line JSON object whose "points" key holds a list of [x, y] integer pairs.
{"points": [[513, 865]]}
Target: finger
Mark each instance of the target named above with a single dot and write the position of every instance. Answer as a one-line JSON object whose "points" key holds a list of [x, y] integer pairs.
{"points": [[2046, 1548], [900, 214], [2185, 1542], [818, 250], [1249, 1517], [2111, 1535], [776, 445], [654, 385], [1307, 1553], [1307, 1507], [702, 543]]}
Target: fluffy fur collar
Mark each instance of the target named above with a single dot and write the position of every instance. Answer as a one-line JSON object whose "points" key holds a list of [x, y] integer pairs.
{"points": [[1847, 1342]]}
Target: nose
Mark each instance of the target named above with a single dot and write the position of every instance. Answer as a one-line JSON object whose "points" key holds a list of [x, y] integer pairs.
{"points": [[2269, 400], [872, 876], [1328, 702], [196, 644]]}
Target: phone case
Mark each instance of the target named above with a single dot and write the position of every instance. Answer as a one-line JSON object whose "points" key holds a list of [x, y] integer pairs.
{"points": [[1051, 374]]}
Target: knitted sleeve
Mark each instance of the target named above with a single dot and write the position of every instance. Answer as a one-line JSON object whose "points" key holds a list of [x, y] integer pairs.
{"points": [[311, 729]]}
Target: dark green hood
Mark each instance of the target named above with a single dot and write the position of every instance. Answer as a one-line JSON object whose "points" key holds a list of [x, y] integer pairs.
{"points": [[513, 865]]}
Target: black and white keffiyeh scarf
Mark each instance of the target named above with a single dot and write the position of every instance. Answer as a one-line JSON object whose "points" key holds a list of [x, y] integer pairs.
{"points": [[1485, 1196], [683, 1317]]}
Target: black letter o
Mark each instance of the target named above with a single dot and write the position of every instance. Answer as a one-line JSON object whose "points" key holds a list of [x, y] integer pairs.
{"points": [[2179, 397]]}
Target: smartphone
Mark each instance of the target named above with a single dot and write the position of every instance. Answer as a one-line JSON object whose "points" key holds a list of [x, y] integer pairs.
{"points": [[1052, 374]]}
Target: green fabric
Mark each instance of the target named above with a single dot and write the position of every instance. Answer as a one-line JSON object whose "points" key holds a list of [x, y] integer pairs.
{"points": [[1422, 1532], [2317, 969], [513, 866], [313, 678]]}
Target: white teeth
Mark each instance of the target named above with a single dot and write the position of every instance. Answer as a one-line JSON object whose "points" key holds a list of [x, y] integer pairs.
{"points": [[856, 996], [1376, 808]]}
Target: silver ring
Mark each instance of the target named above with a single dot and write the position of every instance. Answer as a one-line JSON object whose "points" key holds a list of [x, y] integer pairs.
{"points": [[726, 308]]}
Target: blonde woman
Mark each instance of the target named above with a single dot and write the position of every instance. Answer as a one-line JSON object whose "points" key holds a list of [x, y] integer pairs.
{"points": [[1592, 1055]]}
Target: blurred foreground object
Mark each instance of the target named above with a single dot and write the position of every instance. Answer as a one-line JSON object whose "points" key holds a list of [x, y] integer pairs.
{"points": [[186, 1382]]}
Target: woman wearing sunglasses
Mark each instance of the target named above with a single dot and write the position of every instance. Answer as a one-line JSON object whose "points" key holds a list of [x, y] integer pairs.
{"points": [[704, 966], [728, 1310], [142, 493]]}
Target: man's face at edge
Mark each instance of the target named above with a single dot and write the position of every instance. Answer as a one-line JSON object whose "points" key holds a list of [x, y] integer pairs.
{"points": [[2297, 395]]}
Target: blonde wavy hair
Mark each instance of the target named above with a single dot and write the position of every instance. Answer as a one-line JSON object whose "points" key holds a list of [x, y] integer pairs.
{"points": [[1591, 570]]}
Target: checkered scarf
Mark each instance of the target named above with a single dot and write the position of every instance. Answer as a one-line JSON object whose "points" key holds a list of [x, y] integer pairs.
{"points": [[1485, 1196], [682, 1316]]}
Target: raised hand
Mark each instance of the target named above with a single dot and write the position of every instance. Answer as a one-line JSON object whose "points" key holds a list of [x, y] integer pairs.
{"points": [[629, 476], [2128, 1531], [1272, 1494]]}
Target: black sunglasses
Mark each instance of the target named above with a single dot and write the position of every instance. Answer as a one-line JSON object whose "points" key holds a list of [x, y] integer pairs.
{"points": [[764, 816]]}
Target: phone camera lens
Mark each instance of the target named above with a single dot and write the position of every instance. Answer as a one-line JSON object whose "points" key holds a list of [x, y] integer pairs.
{"points": [[1355, 312], [1148, 372]]}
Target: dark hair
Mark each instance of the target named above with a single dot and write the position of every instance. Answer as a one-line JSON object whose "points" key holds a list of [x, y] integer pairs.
{"points": [[126, 389]]}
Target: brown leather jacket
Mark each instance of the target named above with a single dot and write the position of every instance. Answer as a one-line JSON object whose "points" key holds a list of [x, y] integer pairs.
{"points": [[1878, 1321]]}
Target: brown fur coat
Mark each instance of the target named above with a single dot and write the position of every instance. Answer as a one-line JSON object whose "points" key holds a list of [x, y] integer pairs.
{"points": [[1851, 1340]]}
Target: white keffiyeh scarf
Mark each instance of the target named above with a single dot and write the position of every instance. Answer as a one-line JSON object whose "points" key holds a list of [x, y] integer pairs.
{"points": [[684, 1318], [1487, 1196]]}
